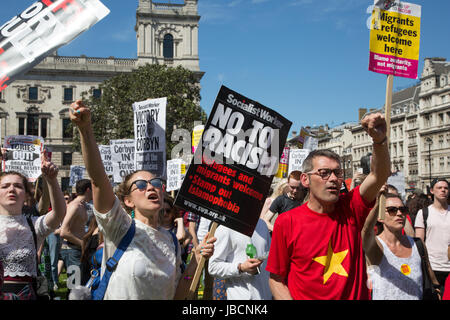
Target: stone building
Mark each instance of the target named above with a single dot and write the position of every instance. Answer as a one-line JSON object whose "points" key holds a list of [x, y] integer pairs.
{"points": [[420, 128], [38, 102]]}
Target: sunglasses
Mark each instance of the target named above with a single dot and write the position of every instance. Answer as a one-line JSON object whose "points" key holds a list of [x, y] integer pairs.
{"points": [[393, 210], [326, 173], [141, 185]]}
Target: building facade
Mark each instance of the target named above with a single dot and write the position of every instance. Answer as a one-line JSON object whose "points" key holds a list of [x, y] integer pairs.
{"points": [[38, 102], [420, 128]]}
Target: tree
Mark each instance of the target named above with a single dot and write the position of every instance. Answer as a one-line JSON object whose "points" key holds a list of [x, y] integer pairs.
{"points": [[112, 113]]}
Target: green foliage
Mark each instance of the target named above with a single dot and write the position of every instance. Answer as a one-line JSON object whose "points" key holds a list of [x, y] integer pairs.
{"points": [[112, 114]]}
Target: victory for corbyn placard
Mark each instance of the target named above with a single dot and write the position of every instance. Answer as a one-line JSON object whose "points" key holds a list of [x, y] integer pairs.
{"points": [[40, 29], [231, 173], [150, 135]]}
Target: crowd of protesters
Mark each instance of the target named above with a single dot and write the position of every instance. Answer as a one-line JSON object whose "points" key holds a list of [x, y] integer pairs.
{"points": [[312, 240]]}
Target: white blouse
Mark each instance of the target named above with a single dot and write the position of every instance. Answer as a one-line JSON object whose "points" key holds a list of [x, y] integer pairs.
{"points": [[17, 250], [149, 268]]}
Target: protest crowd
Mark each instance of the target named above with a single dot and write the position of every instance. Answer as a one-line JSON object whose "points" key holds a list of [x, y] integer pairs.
{"points": [[227, 231], [324, 243]]}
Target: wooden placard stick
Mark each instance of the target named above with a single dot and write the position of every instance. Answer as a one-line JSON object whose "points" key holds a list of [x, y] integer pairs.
{"points": [[387, 116], [200, 266]]}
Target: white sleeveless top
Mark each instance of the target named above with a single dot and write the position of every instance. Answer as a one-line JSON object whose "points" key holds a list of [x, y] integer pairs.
{"points": [[397, 278], [17, 250], [149, 269]]}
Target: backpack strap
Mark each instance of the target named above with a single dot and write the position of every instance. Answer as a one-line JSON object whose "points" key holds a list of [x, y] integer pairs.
{"points": [[175, 242], [112, 262], [425, 217]]}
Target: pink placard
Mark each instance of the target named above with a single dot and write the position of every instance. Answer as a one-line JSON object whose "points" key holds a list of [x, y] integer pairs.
{"points": [[399, 67]]}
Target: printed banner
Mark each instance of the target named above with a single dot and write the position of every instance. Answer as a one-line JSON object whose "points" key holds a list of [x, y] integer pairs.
{"points": [[39, 30], [395, 38], [397, 179], [231, 173], [122, 157], [150, 135], [283, 165], [196, 136], [105, 154], [174, 174], [76, 174], [296, 158], [23, 155]]}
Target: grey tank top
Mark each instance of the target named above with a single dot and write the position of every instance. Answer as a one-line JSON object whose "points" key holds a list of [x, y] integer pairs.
{"points": [[397, 278]]}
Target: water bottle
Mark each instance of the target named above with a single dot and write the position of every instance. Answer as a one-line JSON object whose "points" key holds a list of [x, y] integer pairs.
{"points": [[250, 251]]}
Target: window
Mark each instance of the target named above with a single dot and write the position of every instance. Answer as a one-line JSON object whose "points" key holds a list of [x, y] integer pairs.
{"points": [[65, 184], [66, 159], [21, 126], [32, 93], [427, 120], [67, 133], [68, 94], [44, 127], [33, 124], [97, 93], [168, 46]]}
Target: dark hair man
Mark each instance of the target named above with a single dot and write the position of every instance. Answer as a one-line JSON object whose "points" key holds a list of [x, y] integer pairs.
{"points": [[285, 202], [316, 251]]}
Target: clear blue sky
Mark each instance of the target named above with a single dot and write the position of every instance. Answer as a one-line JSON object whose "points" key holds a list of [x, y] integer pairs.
{"points": [[306, 59]]}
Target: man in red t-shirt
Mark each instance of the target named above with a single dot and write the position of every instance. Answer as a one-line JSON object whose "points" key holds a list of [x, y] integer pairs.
{"points": [[316, 251]]}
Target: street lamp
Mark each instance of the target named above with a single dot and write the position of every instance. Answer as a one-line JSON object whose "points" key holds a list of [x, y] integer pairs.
{"points": [[429, 142]]}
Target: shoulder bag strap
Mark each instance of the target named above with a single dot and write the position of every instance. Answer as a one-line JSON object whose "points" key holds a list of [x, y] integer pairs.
{"points": [[112, 262], [425, 217]]}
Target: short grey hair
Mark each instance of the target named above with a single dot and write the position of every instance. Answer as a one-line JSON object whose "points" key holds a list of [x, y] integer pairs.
{"points": [[308, 163]]}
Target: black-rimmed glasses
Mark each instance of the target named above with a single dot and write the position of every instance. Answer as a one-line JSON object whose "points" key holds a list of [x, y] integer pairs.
{"points": [[326, 173]]}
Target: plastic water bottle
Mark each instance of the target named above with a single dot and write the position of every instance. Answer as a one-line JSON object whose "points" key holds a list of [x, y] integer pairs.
{"points": [[250, 251]]}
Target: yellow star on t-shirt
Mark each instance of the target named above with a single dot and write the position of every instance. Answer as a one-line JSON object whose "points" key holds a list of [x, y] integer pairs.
{"points": [[332, 262]]}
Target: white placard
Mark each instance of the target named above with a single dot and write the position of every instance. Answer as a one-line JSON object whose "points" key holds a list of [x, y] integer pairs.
{"points": [[105, 154], [174, 176], [296, 158], [150, 135], [23, 155], [76, 174], [122, 156]]}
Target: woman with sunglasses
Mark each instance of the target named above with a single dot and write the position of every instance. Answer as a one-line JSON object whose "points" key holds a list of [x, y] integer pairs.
{"points": [[394, 261], [150, 267]]}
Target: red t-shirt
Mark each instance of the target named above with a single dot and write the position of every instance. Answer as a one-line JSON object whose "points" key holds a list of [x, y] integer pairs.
{"points": [[446, 295], [321, 255]]}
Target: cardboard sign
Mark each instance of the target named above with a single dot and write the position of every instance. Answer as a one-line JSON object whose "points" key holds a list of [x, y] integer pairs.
{"points": [[296, 158], [231, 173], [196, 136], [397, 179], [39, 30], [283, 165], [76, 174], [122, 157], [150, 135], [105, 154], [23, 155], [174, 174], [395, 38]]}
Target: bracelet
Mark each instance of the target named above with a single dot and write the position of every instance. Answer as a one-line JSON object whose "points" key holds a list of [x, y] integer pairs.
{"points": [[381, 142]]}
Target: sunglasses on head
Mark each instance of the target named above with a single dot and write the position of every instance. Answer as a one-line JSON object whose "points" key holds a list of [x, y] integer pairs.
{"points": [[142, 184], [393, 210]]}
